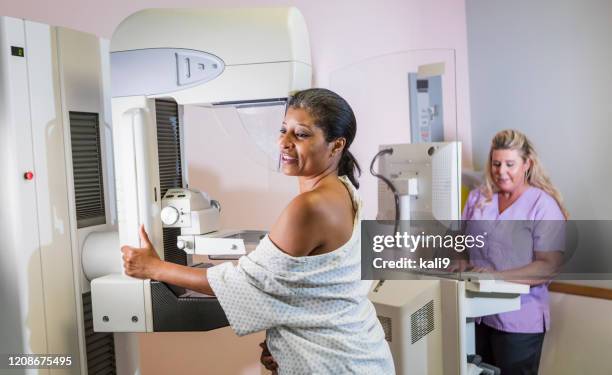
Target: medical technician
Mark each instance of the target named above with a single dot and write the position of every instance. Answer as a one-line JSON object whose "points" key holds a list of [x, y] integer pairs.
{"points": [[302, 283], [516, 188]]}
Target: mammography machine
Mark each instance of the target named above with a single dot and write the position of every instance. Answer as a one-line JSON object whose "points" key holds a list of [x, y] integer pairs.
{"points": [[55, 142], [192, 58], [429, 320], [72, 179]]}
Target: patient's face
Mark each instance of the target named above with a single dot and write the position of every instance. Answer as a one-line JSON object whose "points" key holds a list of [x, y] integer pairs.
{"points": [[304, 151]]}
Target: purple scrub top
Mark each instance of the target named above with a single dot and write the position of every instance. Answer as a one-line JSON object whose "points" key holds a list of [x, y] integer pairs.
{"points": [[504, 251]]}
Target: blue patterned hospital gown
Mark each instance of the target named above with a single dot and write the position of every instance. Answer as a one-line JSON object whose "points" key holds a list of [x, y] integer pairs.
{"points": [[314, 309]]}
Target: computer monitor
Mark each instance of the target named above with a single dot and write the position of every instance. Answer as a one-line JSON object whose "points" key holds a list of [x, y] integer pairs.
{"points": [[427, 177]]}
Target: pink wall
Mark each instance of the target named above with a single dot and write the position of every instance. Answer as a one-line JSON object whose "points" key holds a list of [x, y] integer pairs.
{"points": [[341, 33]]}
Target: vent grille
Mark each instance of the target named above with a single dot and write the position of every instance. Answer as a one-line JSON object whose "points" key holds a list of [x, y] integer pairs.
{"points": [[387, 327], [87, 169], [168, 145], [170, 168], [100, 346], [422, 321]]}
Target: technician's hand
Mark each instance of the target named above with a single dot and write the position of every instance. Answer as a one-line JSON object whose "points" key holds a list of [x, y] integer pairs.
{"points": [[141, 262], [482, 270], [267, 360], [460, 265]]}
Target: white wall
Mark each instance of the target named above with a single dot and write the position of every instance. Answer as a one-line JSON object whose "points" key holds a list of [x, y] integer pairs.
{"points": [[543, 67]]}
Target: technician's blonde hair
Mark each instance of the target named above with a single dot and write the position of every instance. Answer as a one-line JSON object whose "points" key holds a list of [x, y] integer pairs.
{"points": [[535, 176]]}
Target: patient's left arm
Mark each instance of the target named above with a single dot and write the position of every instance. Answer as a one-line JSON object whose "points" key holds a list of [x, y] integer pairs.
{"points": [[144, 263]]}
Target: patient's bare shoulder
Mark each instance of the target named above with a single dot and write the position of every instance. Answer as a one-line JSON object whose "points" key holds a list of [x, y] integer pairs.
{"points": [[314, 222], [295, 231]]}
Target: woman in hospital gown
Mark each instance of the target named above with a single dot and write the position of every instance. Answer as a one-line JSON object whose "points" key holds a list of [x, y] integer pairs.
{"points": [[302, 283], [523, 216]]}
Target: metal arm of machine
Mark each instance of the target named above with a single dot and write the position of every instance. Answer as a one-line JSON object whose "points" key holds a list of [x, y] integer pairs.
{"points": [[198, 217]]}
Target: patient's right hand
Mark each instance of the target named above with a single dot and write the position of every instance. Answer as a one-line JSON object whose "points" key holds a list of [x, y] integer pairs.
{"points": [[266, 358], [141, 262]]}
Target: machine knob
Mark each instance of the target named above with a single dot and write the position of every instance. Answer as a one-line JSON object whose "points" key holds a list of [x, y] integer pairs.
{"points": [[181, 244], [169, 215]]}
